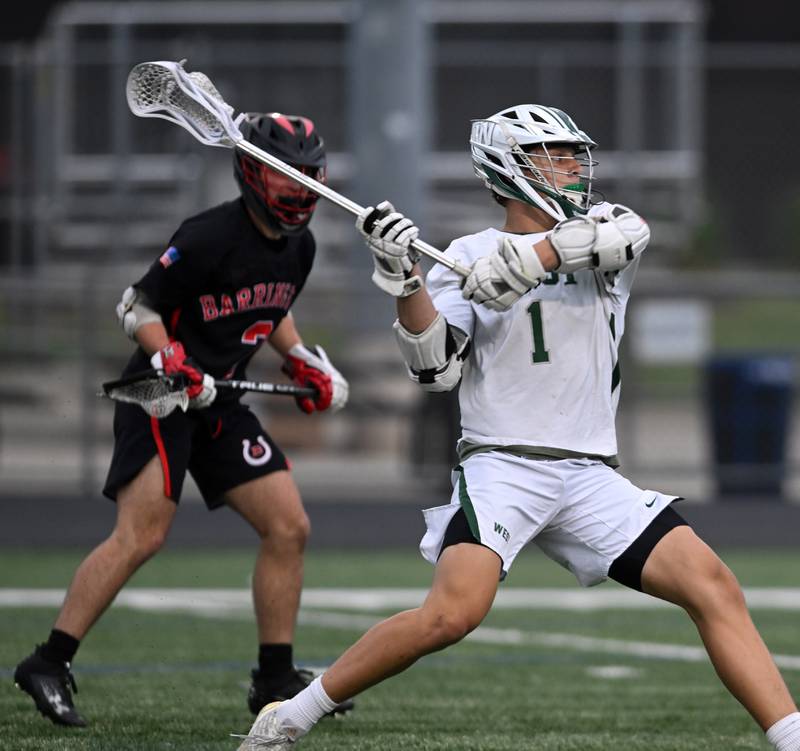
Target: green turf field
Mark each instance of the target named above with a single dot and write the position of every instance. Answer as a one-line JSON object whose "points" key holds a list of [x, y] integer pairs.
{"points": [[176, 681]]}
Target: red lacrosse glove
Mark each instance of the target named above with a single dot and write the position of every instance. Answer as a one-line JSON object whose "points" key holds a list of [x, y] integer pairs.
{"points": [[305, 369], [173, 361]]}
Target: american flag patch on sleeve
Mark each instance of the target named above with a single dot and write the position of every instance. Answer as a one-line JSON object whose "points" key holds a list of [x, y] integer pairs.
{"points": [[170, 256]]}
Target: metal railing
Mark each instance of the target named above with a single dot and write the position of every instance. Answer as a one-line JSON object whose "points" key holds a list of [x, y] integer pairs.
{"points": [[92, 195]]}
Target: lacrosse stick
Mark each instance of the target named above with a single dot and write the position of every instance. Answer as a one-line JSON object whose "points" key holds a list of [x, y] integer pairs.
{"points": [[165, 89], [160, 394]]}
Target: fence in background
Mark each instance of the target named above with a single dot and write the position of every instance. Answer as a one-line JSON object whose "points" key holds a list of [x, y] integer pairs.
{"points": [[61, 340], [88, 178], [90, 195]]}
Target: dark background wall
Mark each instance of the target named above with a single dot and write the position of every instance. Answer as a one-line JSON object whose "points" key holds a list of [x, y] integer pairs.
{"points": [[728, 21], [752, 167]]}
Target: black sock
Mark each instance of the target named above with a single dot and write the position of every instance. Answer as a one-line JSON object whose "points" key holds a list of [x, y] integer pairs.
{"points": [[274, 660], [60, 647]]}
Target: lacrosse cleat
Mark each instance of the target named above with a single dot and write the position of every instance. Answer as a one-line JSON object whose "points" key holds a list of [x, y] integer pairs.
{"points": [[264, 691], [48, 683], [267, 733]]}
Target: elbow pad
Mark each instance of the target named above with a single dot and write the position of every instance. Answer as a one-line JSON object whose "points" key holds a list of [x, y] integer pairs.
{"points": [[435, 356], [134, 312]]}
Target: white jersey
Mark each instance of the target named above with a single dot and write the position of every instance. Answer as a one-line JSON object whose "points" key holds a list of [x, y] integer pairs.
{"points": [[542, 376]]}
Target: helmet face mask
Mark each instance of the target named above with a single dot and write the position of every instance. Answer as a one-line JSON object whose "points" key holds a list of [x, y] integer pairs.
{"points": [[279, 202], [555, 174], [536, 155]]}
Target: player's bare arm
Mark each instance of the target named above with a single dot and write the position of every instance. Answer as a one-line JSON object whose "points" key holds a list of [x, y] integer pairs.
{"points": [[285, 336], [416, 312], [152, 337]]}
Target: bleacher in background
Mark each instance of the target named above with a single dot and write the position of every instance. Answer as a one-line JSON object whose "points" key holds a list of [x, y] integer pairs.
{"points": [[92, 195]]}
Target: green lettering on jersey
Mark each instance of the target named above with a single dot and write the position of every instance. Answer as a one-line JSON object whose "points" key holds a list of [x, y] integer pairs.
{"points": [[553, 277], [540, 354]]}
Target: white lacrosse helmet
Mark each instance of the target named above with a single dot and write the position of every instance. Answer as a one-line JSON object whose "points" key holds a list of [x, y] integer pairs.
{"points": [[499, 146]]}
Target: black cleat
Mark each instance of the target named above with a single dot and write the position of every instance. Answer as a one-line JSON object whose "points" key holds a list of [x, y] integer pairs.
{"points": [[265, 691], [48, 683]]}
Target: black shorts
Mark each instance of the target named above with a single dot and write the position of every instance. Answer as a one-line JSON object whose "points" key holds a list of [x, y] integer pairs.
{"points": [[222, 447]]}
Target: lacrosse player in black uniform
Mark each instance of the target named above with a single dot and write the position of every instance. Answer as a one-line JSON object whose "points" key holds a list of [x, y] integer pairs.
{"points": [[222, 288]]}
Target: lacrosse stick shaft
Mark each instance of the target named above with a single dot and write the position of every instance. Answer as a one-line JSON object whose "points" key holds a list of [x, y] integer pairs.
{"points": [[342, 201], [178, 383], [286, 389]]}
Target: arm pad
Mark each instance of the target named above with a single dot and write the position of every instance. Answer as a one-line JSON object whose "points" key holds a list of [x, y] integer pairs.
{"points": [[435, 356], [134, 312]]}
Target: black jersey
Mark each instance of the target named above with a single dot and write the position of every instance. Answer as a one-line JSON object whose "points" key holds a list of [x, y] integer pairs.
{"points": [[222, 288]]}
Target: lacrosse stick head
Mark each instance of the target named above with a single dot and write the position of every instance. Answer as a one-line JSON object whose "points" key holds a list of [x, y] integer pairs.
{"points": [[167, 90], [157, 394], [277, 200]]}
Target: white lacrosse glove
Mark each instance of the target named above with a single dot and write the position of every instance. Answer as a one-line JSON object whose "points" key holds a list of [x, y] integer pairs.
{"points": [[172, 360], [607, 241], [617, 220], [501, 278], [313, 368], [207, 394], [573, 241], [389, 235]]}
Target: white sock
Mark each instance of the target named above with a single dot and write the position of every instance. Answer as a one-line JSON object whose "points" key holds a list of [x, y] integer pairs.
{"points": [[784, 735], [306, 709]]}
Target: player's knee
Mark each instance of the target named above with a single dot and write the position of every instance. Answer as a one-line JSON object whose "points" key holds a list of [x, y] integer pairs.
{"points": [[725, 586], [288, 534], [716, 591], [141, 544], [446, 627]]}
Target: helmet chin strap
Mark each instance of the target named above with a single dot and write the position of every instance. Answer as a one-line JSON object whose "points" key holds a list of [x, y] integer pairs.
{"points": [[574, 192]]}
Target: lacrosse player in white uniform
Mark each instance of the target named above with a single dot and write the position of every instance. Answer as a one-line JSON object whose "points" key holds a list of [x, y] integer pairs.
{"points": [[532, 336]]}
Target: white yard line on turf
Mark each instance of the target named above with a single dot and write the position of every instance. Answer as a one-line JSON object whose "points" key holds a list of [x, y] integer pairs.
{"points": [[236, 603], [766, 598], [516, 637]]}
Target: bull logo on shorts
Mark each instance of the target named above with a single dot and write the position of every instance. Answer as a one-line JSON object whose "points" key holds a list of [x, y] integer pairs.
{"points": [[258, 453]]}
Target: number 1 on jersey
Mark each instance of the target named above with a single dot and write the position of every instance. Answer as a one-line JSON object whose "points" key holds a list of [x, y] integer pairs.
{"points": [[540, 354]]}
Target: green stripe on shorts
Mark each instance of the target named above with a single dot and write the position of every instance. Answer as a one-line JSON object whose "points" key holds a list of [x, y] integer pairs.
{"points": [[466, 504]]}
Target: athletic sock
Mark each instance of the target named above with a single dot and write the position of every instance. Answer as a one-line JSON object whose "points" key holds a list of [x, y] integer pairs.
{"points": [[304, 711], [60, 647], [274, 660], [784, 735]]}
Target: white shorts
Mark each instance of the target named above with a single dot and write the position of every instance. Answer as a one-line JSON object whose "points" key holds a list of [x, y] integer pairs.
{"points": [[580, 512]]}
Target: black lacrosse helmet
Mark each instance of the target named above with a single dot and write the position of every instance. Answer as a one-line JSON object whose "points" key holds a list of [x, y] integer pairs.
{"points": [[280, 202]]}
